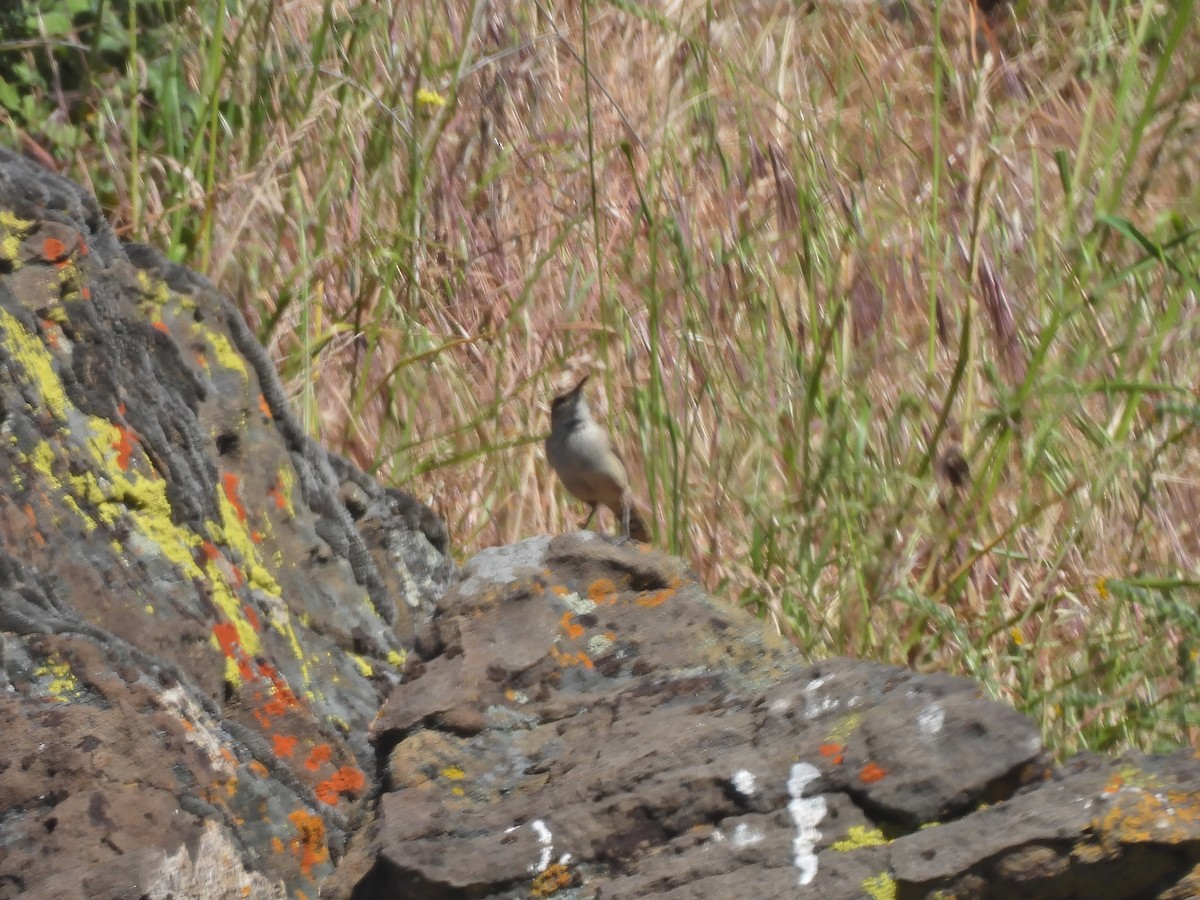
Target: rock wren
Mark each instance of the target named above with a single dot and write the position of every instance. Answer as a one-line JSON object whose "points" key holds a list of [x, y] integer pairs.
{"points": [[581, 453]]}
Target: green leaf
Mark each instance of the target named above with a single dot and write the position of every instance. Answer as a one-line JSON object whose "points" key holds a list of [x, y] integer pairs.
{"points": [[9, 98], [28, 75], [30, 109], [54, 24]]}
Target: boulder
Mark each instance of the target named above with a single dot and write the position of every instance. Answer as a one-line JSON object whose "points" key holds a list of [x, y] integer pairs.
{"points": [[195, 629]]}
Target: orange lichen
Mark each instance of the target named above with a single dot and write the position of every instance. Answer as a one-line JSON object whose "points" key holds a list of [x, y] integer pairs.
{"points": [[1142, 816], [262, 405], [123, 443], [571, 628], [160, 325], [833, 752], [258, 768], [871, 773], [227, 638], [85, 292], [601, 590], [226, 635], [252, 617], [319, 755], [283, 697], [551, 879], [655, 598], [347, 781], [571, 659], [210, 550], [284, 745], [309, 843], [230, 482], [53, 250]]}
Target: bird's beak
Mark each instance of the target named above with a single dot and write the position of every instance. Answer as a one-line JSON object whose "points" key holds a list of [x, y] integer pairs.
{"points": [[582, 382]]}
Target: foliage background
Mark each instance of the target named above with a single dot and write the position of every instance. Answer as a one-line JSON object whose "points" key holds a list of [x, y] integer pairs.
{"points": [[894, 304]]}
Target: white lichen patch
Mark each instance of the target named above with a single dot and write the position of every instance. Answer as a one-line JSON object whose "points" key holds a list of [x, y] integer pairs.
{"points": [[745, 836], [743, 782], [931, 719], [806, 813]]}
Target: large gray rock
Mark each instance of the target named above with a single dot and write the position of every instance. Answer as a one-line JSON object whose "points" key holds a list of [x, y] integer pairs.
{"points": [[581, 714], [195, 630], [232, 665]]}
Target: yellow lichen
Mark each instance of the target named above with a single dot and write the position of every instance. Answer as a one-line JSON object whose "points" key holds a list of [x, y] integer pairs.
{"points": [[287, 483], [35, 363], [880, 887], [107, 492], [59, 681], [12, 232], [843, 728], [860, 836], [153, 290], [224, 352], [1131, 776]]}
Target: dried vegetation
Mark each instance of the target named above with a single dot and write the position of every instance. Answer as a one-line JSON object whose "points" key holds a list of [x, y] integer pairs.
{"points": [[895, 305]]}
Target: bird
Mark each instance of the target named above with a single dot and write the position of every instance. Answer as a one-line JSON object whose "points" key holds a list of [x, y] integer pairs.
{"points": [[582, 455]]}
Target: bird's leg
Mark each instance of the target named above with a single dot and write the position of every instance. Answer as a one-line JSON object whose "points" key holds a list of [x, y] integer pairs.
{"points": [[588, 520]]}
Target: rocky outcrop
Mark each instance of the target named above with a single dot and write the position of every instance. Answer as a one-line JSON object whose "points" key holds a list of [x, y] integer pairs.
{"points": [[196, 631], [579, 714], [232, 665]]}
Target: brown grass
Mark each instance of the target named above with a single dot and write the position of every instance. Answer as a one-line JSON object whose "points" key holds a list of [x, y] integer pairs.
{"points": [[808, 250]]}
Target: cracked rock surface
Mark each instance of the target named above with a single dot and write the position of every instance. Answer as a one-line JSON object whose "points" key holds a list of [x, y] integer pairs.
{"points": [[195, 628], [233, 665], [581, 717]]}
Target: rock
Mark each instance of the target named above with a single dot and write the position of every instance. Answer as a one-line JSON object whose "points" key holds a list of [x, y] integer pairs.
{"points": [[195, 630], [579, 714], [231, 664]]}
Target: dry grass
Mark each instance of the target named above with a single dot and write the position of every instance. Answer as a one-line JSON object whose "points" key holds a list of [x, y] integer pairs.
{"points": [[825, 260]]}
